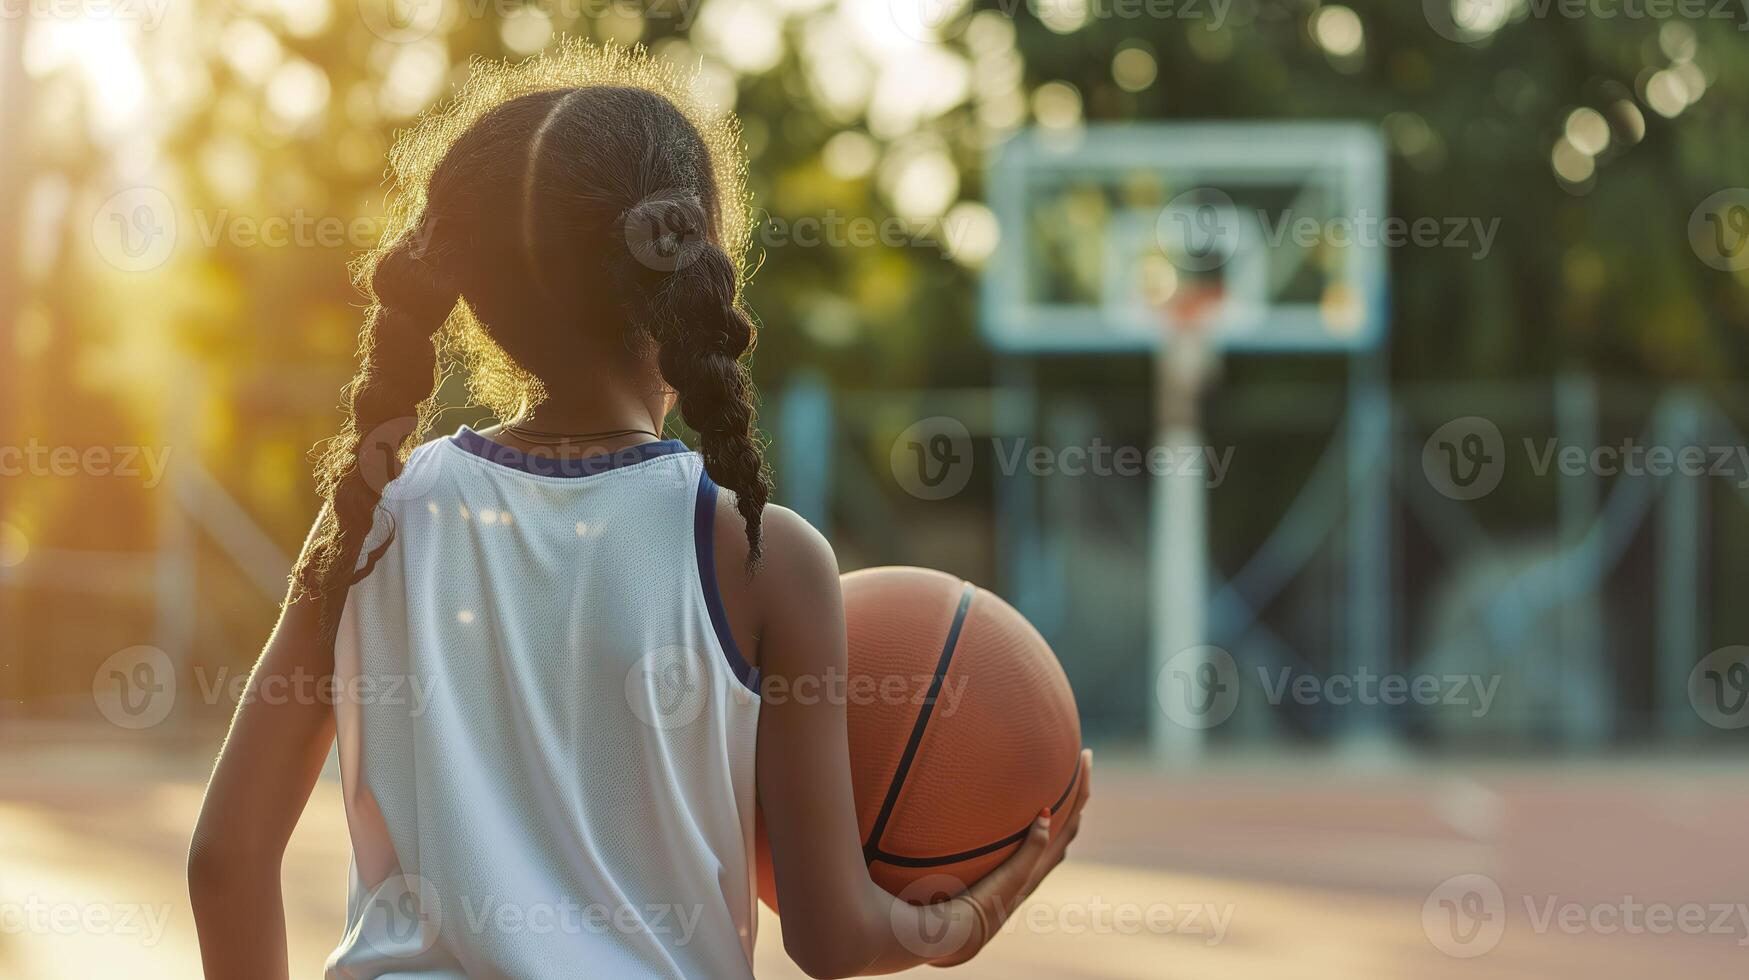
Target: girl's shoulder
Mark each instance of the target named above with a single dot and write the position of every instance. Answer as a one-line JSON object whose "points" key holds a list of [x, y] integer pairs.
{"points": [[790, 545], [797, 574]]}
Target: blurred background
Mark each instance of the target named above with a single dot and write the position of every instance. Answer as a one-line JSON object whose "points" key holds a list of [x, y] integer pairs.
{"points": [[1352, 394]]}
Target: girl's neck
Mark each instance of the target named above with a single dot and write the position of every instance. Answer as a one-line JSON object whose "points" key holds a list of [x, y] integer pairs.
{"points": [[595, 424]]}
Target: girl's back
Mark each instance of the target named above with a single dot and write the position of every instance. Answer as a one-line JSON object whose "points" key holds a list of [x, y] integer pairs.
{"points": [[548, 737]]}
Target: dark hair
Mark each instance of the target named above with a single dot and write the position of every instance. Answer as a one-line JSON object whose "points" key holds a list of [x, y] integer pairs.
{"points": [[565, 220]]}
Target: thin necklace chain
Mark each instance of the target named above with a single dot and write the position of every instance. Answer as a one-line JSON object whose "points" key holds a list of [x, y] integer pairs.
{"points": [[560, 438]]}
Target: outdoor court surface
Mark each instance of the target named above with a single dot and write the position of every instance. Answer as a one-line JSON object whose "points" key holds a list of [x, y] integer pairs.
{"points": [[1318, 868]]}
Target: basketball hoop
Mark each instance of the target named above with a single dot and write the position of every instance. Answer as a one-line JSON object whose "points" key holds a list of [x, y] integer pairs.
{"points": [[1187, 359], [1208, 274]]}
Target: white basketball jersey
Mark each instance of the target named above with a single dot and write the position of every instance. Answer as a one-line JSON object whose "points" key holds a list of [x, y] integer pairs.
{"points": [[546, 731]]}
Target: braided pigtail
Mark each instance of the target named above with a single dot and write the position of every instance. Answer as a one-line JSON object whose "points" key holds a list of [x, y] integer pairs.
{"points": [[689, 298], [388, 408]]}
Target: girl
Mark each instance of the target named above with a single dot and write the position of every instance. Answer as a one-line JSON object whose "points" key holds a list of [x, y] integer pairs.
{"points": [[540, 644]]}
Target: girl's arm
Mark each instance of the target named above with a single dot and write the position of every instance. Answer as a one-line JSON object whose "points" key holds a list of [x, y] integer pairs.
{"points": [[278, 742], [836, 921]]}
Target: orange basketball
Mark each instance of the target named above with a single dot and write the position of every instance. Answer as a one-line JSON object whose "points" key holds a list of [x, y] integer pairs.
{"points": [[962, 727]]}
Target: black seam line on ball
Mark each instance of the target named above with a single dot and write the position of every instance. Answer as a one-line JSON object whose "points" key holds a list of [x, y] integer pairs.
{"points": [[901, 861], [872, 846]]}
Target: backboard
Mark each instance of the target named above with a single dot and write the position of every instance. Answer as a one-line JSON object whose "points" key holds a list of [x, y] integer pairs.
{"points": [[1102, 225]]}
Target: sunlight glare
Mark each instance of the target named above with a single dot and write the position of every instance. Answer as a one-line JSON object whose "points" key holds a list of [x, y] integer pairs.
{"points": [[919, 179], [298, 92], [108, 67], [747, 35], [838, 72], [1338, 30], [915, 89]]}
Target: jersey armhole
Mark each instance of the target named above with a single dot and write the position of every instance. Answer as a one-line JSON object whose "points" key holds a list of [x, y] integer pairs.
{"points": [[704, 521]]}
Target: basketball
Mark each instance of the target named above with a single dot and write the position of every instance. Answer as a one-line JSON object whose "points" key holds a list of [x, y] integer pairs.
{"points": [[962, 727]]}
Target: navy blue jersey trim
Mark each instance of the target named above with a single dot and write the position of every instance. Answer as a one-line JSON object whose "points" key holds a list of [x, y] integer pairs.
{"points": [[541, 465], [704, 521]]}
